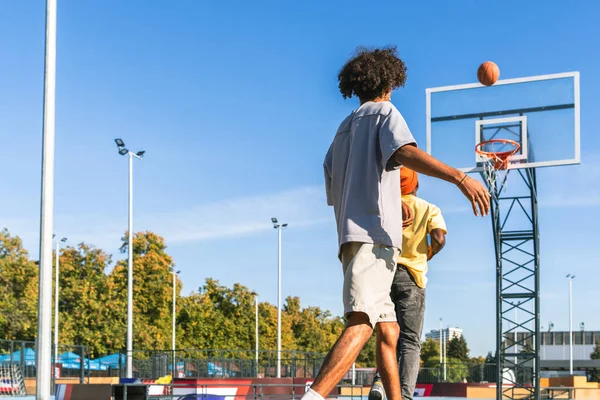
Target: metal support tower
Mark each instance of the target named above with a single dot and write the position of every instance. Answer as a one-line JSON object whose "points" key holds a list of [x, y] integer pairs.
{"points": [[516, 239]]}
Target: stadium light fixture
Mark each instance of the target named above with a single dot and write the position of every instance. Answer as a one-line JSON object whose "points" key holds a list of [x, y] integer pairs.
{"points": [[129, 364], [279, 227]]}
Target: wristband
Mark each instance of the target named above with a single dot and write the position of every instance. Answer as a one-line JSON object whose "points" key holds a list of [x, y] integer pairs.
{"points": [[461, 181]]}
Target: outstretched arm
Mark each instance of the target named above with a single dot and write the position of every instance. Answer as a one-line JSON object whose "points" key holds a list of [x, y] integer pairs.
{"points": [[438, 241], [420, 161]]}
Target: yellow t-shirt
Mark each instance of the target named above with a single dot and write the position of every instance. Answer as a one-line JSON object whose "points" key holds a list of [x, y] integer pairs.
{"points": [[414, 238]]}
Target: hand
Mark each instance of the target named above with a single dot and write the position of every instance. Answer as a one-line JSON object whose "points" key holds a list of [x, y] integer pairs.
{"points": [[477, 194], [429, 253], [407, 215]]}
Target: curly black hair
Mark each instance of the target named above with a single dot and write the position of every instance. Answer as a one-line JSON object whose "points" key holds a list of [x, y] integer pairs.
{"points": [[370, 73]]}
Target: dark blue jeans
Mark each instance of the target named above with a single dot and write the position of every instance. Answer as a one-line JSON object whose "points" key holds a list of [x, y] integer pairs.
{"points": [[409, 300]]}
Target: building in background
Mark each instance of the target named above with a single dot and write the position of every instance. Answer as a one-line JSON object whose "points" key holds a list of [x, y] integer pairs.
{"points": [[555, 345], [449, 333]]}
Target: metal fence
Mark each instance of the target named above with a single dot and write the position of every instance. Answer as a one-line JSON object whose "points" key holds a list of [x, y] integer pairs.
{"points": [[71, 358], [458, 372], [294, 364], [223, 364], [73, 362], [195, 363]]}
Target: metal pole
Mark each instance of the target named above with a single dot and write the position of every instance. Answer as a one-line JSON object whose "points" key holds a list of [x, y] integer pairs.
{"points": [[582, 326], [256, 333], [174, 316], [515, 347], [441, 349], [445, 356], [56, 307], [44, 334], [129, 365], [571, 326], [279, 302]]}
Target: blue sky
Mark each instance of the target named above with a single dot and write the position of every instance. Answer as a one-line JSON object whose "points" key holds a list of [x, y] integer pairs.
{"points": [[236, 103]]}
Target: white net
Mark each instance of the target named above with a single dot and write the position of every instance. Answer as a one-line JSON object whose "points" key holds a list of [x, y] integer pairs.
{"points": [[496, 178], [495, 155], [11, 381]]}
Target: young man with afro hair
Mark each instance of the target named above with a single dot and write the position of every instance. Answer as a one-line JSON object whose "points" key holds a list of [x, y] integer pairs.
{"points": [[362, 182]]}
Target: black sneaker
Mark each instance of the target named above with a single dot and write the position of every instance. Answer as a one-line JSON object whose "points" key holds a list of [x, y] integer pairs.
{"points": [[377, 392]]}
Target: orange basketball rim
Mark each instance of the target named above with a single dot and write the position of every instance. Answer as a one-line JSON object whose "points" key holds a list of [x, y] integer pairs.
{"points": [[499, 158]]}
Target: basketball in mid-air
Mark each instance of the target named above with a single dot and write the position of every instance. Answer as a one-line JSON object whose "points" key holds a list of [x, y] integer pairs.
{"points": [[488, 73]]}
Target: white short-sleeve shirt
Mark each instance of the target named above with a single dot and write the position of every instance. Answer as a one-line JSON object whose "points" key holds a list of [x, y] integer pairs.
{"points": [[362, 178]]}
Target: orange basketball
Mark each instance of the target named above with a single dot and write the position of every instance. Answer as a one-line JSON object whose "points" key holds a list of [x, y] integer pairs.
{"points": [[488, 73]]}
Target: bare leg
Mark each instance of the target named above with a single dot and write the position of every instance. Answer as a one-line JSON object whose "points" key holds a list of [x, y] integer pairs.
{"points": [[387, 364], [344, 353]]}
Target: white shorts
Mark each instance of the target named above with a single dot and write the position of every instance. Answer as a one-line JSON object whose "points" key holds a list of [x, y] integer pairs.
{"points": [[368, 276]]}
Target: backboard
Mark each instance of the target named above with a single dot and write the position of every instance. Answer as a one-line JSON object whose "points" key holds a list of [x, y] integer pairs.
{"points": [[541, 113]]}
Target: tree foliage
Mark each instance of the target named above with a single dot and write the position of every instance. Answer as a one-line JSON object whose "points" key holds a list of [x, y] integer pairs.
{"points": [[93, 305], [430, 349], [18, 290], [595, 355], [456, 370], [85, 292], [458, 349]]}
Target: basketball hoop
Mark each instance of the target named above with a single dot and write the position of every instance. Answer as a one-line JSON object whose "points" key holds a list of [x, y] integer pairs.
{"points": [[496, 158]]}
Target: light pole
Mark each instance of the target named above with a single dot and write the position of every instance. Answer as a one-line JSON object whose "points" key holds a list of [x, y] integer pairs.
{"points": [[175, 273], [279, 227], [123, 151], [43, 356], [441, 347], [570, 277], [446, 338], [582, 327], [56, 291], [256, 332]]}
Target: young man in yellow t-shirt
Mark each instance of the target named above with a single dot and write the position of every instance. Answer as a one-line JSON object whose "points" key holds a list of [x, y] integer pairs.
{"points": [[408, 289]]}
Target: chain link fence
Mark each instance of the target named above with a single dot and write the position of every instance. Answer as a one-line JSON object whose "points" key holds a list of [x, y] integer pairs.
{"points": [[73, 363], [223, 364], [70, 363]]}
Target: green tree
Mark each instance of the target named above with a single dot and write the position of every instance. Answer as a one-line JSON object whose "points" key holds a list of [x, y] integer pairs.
{"points": [[18, 290], [87, 315], [218, 317], [458, 349], [152, 291], [456, 370], [430, 349], [196, 319], [93, 305], [366, 358], [314, 330], [595, 355]]}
